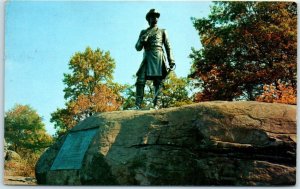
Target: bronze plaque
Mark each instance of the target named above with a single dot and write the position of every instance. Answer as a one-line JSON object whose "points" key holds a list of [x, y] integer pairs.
{"points": [[72, 151]]}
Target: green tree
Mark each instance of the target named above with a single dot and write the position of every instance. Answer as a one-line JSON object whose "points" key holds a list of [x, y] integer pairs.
{"points": [[246, 45], [129, 97], [174, 92], [89, 89], [25, 131]]}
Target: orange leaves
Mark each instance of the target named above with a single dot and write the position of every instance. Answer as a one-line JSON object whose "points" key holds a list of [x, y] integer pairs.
{"points": [[87, 69], [262, 73], [80, 105], [213, 74], [103, 99], [247, 45], [281, 93], [89, 89], [202, 97], [214, 41]]}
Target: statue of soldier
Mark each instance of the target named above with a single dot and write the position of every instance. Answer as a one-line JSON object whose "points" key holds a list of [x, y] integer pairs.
{"points": [[153, 66]]}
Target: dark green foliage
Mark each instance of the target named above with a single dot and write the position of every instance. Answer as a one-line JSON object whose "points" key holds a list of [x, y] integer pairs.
{"points": [[245, 45], [25, 131]]}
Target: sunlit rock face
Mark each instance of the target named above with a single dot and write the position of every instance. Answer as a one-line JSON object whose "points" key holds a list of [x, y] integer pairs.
{"points": [[210, 143]]}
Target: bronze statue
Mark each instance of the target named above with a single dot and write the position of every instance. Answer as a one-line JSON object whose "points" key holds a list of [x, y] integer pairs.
{"points": [[154, 65]]}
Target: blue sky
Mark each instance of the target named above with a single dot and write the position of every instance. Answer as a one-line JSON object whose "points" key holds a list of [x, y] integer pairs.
{"points": [[42, 36]]}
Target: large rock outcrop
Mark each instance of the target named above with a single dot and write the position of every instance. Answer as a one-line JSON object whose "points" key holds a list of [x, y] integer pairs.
{"points": [[211, 143]]}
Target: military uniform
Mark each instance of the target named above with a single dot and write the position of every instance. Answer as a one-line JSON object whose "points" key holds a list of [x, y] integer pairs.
{"points": [[154, 64]]}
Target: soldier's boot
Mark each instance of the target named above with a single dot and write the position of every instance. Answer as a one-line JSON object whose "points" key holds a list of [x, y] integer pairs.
{"points": [[156, 100], [139, 96]]}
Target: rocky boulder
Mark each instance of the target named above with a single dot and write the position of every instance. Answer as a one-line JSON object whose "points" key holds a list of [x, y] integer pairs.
{"points": [[12, 156], [211, 143]]}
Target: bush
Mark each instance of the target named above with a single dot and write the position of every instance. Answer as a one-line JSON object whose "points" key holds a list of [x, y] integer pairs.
{"points": [[24, 167]]}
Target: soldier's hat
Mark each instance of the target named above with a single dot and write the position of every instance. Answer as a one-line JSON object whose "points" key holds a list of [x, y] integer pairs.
{"points": [[152, 12]]}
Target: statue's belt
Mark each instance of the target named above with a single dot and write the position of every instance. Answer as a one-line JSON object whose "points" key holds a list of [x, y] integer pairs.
{"points": [[153, 48]]}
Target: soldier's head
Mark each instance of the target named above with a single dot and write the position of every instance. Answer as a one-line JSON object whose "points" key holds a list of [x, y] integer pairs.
{"points": [[152, 17]]}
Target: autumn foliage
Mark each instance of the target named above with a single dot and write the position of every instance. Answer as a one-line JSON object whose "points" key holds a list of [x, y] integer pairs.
{"points": [[247, 48], [89, 89], [279, 93], [25, 131], [26, 135], [102, 100]]}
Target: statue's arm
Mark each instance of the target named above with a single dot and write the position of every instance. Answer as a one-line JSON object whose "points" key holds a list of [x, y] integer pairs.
{"points": [[168, 49], [139, 44]]}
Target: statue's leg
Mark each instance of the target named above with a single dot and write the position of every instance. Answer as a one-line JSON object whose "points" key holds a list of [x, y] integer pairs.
{"points": [[139, 95], [140, 85], [157, 90]]}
